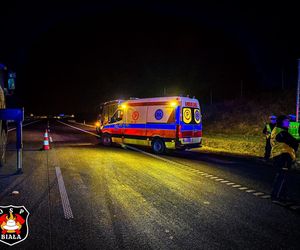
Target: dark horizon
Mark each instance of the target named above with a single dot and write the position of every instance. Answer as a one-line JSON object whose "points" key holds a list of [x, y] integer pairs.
{"points": [[69, 58]]}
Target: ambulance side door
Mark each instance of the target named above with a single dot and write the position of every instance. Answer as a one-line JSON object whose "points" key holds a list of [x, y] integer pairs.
{"points": [[135, 126]]}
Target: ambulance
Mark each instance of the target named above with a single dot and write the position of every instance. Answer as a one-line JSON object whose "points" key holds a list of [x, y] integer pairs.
{"points": [[160, 123]]}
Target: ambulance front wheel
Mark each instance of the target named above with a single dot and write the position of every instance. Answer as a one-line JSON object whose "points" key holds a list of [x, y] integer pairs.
{"points": [[106, 140], [158, 146]]}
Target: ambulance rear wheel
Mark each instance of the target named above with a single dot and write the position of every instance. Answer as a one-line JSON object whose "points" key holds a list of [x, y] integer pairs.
{"points": [[158, 146], [106, 140]]}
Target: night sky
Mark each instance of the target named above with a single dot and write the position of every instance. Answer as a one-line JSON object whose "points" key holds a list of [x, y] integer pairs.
{"points": [[71, 57]]}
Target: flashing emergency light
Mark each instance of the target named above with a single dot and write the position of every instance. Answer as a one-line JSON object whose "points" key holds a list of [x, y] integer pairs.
{"points": [[97, 124], [123, 106], [173, 104]]}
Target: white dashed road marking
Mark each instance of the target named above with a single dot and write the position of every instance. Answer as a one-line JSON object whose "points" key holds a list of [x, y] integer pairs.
{"points": [[250, 191], [258, 193], [230, 183], [216, 178], [225, 181]]}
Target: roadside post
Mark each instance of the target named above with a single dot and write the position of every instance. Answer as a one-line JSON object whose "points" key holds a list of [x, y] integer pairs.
{"points": [[295, 125], [16, 115]]}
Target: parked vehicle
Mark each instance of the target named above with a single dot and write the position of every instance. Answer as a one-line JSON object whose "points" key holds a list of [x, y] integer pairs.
{"points": [[161, 123]]}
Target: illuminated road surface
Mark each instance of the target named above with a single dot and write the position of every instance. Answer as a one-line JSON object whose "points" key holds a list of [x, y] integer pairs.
{"points": [[121, 198]]}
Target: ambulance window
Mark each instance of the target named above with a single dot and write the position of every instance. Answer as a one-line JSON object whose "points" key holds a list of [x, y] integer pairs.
{"points": [[197, 116], [111, 110], [187, 115], [191, 115], [105, 114], [118, 116]]}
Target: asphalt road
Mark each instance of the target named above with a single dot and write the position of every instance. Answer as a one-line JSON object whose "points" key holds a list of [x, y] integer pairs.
{"points": [[122, 197]]}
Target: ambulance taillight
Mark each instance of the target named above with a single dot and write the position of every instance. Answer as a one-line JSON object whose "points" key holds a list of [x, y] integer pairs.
{"points": [[178, 131]]}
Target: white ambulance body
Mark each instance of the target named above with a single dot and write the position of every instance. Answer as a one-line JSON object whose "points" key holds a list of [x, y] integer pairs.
{"points": [[161, 122]]}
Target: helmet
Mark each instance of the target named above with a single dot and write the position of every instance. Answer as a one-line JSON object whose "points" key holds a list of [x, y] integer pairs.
{"points": [[280, 119], [292, 118]]}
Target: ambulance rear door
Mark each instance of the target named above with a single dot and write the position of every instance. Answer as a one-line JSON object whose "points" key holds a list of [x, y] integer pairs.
{"points": [[191, 126]]}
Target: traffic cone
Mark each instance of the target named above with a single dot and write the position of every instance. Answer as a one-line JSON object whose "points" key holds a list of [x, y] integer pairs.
{"points": [[46, 145]]}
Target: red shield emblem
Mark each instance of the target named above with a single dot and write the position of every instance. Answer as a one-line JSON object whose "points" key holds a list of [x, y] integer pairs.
{"points": [[14, 224]]}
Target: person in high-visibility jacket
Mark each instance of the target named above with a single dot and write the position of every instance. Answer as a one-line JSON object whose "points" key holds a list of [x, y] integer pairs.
{"points": [[284, 147], [267, 131]]}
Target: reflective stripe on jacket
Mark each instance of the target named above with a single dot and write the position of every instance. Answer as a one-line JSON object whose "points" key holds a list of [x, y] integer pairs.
{"points": [[269, 130]]}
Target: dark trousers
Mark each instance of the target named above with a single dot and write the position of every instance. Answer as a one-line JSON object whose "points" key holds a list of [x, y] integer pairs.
{"points": [[268, 148], [283, 165]]}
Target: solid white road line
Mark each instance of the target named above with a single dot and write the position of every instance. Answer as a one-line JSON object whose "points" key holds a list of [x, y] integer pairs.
{"points": [[82, 130], [84, 124], [24, 125], [63, 194]]}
